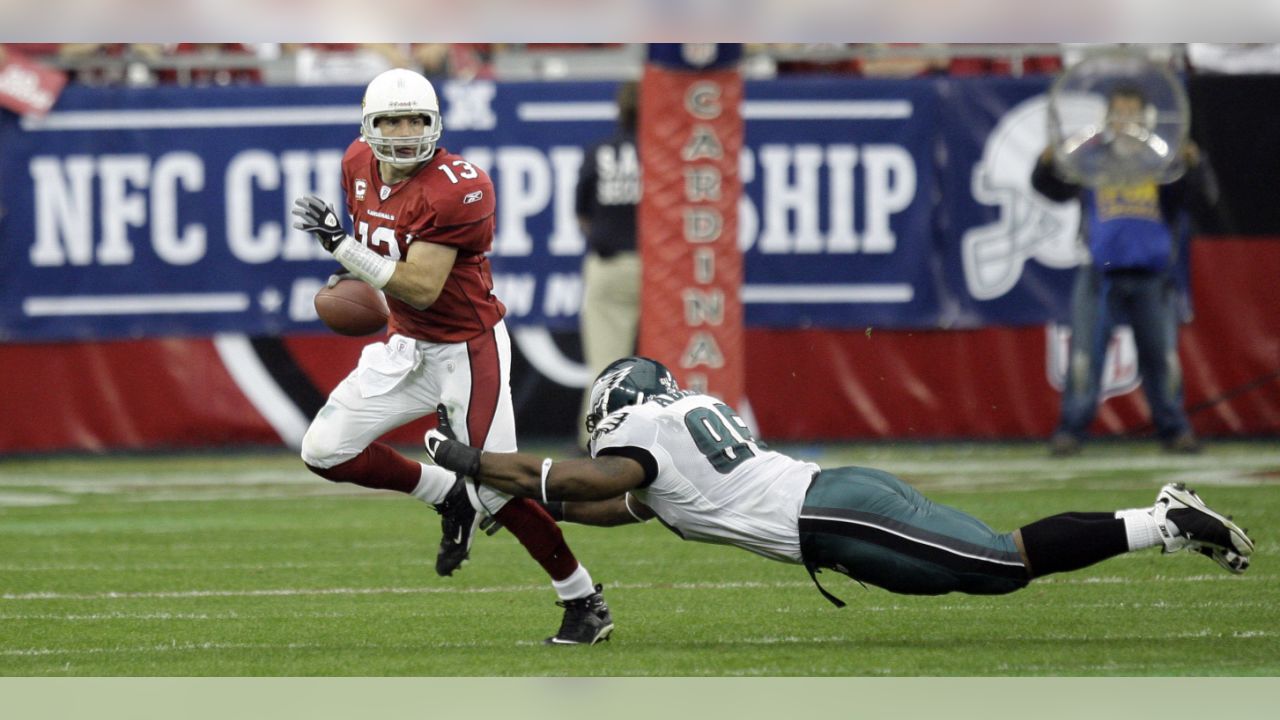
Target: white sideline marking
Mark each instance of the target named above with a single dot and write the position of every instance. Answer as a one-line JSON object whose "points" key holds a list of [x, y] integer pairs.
{"points": [[230, 615], [171, 647], [297, 592], [188, 646], [133, 481], [32, 500], [307, 592], [1077, 466]]}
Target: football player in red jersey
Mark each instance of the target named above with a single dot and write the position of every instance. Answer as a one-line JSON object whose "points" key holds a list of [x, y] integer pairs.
{"points": [[424, 219]]}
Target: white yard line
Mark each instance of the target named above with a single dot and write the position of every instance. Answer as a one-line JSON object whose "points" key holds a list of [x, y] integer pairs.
{"points": [[303, 592], [355, 591]]}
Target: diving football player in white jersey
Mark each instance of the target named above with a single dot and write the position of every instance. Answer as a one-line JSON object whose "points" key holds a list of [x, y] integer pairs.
{"points": [[689, 460]]}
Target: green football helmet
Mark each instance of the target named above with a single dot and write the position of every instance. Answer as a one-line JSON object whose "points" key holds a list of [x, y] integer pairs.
{"points": [[626, 382]]}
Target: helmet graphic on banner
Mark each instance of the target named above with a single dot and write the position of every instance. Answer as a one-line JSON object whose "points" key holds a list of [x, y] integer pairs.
{"points": [[1029, 225], [1118, 118], [398, 93]]}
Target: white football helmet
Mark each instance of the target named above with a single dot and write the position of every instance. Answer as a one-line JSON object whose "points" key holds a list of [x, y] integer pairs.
{"points": [[401, 92]]}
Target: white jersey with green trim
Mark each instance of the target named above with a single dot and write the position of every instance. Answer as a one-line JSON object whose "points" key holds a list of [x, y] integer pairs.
{"points": [[711, 480]]}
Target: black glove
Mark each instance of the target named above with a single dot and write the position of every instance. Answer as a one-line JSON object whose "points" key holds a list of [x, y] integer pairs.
{"points": [[447, 452], [320, 219]]}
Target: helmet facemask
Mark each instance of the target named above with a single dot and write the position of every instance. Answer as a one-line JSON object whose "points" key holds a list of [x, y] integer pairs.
{"points": [[386, 148]]}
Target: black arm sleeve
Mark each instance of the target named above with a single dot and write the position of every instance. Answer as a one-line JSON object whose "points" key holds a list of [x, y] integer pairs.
{"points": [[1045, 180], [1196, 192], [640, 455]]}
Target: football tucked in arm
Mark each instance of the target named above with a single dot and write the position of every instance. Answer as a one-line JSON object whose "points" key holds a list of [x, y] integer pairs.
{"points": [[352, 307]]}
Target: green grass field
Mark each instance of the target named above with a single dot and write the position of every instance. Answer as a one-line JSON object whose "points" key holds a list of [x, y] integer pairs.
{"points": [[246, 565]]}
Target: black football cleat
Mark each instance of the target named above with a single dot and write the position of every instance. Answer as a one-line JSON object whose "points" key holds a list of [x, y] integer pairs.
{"points": [[458, 521], [586, 621]]}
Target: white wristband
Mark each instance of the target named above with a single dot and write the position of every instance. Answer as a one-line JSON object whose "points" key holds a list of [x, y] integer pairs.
{"points": [[546, 468], [364, 263], [626, 501]]}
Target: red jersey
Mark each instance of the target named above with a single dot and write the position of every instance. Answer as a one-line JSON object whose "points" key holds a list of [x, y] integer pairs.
{"points": [[447, 201]]}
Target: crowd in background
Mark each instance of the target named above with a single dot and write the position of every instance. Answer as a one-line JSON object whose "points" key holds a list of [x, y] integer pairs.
{"points": [[142, 64]]}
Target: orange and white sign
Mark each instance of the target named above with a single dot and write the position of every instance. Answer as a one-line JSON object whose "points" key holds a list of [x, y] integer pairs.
{"points": [[691, 133]]}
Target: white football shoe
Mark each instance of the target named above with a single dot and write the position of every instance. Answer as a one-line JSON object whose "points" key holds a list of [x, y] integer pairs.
{"points": [[1186, 522]]}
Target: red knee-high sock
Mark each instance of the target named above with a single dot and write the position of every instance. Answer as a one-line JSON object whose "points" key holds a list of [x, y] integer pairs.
{"points": [[378, 467], [540, 536]]}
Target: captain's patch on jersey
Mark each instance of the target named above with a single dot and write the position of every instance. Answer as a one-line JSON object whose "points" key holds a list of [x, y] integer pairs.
{"points": [[472, 197], [361, 186]]}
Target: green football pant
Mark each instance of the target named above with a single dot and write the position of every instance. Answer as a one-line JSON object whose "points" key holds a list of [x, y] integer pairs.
{"points": [[876, 529]]}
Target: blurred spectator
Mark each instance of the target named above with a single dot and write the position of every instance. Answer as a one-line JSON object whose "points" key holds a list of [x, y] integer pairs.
{"points": [[462, 61], [608, 191], [900, 66], [824, 58], [1161, 53], [1234, 58], [88, 68], [1134, 234], [35, 51], [963, 66], [838, 58], [216, 73], [345, 63]]}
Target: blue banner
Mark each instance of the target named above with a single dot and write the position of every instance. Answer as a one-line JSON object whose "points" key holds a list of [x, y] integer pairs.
{"points": [[883, 203]]}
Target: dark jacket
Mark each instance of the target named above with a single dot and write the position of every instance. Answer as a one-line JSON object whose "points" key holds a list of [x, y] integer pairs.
{"points": [[608, 192]]}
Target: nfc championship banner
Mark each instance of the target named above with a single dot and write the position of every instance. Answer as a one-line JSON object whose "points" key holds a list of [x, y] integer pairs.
{"points": [[866, 203]]}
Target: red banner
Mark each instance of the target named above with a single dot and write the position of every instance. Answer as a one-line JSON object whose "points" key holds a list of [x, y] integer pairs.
{"points": [[28, 87], [691, 133], [995, 383], [804, 384]]}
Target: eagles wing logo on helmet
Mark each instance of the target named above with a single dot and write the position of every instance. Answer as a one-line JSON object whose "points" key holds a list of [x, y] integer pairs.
{"points": [[1029, 226], [603, 390], [628, 381]]}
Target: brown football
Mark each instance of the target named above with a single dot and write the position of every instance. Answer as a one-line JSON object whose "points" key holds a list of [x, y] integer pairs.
{"points": [[352, 307]]}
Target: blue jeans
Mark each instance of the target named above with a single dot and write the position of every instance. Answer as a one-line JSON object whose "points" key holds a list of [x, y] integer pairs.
{"points": [[1146, 301]]}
